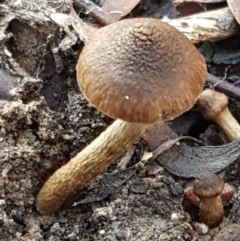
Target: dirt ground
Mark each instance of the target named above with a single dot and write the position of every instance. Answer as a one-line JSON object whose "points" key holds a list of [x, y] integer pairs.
{"points": [[46, 121]]}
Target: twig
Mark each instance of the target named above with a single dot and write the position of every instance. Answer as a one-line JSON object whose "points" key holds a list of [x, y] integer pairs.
{"points": [[223, 86], [168, 144], [94, 11], [207, 26], [149, 156]]}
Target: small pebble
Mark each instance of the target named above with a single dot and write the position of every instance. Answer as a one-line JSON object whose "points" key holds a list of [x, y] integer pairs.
{"points": [[174, 217], [102, 232], [200, 228]]}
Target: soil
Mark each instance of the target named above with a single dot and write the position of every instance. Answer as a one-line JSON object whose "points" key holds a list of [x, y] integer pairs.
{"points": [[45, 121]]}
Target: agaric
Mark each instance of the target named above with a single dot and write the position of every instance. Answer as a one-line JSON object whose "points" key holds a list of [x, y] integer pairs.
{"points": [[229, 233], [139, 71], [208, 188], [214, 106], [226, 195]]}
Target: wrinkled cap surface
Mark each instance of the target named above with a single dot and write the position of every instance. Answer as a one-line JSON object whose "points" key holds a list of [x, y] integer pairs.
{"points": [[141, 70], [208, 184]]}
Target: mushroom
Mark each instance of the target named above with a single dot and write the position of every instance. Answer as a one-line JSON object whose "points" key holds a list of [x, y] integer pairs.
{"points": [[214, 106], [208, 187], [138, 71], [226, 195], [229, 233]]}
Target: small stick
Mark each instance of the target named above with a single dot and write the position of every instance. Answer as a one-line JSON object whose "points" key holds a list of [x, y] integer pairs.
{"points": [[94, 11], [223, 86], [208, 26], [149, 156], [169, 144]]}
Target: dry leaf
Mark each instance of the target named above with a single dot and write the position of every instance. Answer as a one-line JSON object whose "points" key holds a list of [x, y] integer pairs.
{"points": [[234, 5], [119, 9]]}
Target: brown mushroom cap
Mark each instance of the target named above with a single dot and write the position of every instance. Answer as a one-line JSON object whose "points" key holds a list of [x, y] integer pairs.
{"points": [[207, 185], [211, 103], [229, 233], [141, 70]]}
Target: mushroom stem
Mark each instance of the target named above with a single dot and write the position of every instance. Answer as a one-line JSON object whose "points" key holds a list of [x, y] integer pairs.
{"points": [[214, 106], [211, 211], [104, 150], [228, 124]]}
